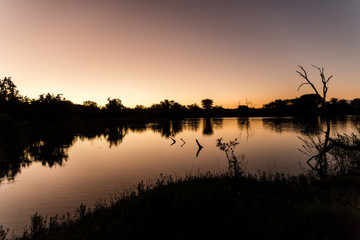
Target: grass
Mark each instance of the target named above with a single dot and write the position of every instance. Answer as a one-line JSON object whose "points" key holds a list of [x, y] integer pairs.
{"points": [[217, 207]]}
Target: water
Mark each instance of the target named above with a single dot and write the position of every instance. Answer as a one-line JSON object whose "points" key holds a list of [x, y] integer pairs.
{"points": [[52, 169]]}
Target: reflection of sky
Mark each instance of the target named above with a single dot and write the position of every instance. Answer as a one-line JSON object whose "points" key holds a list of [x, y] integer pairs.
{"points": [[94, 170], [145, 51]]}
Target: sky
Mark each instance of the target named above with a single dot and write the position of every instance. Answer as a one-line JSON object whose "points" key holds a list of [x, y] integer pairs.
{"points": [[145, 51]]}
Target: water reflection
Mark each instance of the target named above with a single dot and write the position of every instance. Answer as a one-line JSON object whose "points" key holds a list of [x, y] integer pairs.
{"points": [[24, 143], [244, 126], [193, 124], [308, 126], [334, 155], [100, 157], [167, 128], [218, 122], [208, 126], [115, 135], [20, 146]]}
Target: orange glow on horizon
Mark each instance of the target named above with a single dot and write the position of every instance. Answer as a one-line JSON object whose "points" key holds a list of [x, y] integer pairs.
{"points": [[144, 53]]}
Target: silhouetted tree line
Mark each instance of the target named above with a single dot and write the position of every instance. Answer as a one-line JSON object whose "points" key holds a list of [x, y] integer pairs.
{"points": [[56, 106], [310, 104]]}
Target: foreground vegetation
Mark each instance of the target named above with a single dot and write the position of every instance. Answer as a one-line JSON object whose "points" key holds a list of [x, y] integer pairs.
{"points": [[217, 207]]}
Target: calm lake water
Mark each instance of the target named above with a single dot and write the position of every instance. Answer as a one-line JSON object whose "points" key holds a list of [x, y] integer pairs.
{"points": [[62, 167]]}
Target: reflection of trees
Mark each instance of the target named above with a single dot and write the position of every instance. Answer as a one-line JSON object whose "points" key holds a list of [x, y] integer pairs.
{"points": [[21, 145], [244, 124], [218, 122], [115, 135], [193, 124], [208, 126], [12, 158], [338, 155], [167, 128], [50, 153], [306, 126], [137, 127]]}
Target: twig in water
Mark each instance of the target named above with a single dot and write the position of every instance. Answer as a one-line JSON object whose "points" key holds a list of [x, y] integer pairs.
{"points": [[183, 142], [173, 141]]}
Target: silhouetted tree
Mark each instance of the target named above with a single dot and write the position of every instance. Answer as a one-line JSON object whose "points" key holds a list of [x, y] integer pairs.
{"points": [[279, 106], [193, 107], [207, 103], [323, 148], [140, 107], [11, 102], [114, 106], [243, 109], [306, 104], [91, 104], [324, 82], [168, 109], [8, 91], [355, 103], [51, 105], [88, 109]]}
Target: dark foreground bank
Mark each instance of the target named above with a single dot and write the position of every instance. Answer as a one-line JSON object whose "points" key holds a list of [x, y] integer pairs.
{"points": [[217, 207]]}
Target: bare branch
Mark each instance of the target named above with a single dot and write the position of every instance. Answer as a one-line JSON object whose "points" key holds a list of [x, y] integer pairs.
{"points": [[304, 75], [329, 78], [302, 85], [316, 67]]}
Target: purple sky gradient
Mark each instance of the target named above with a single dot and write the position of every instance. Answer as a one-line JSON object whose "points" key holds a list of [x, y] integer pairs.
{"points": [[145, 51]]}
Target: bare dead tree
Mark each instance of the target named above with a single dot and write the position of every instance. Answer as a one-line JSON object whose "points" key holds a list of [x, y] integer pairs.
{"points": [[321, 157], [324, 82], [339, 154]]}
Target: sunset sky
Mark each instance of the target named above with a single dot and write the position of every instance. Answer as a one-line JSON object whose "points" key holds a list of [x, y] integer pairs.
{"points": [[144, 51]]}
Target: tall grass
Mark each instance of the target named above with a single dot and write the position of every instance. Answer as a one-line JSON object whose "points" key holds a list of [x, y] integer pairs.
{"points": [[209, 206]]}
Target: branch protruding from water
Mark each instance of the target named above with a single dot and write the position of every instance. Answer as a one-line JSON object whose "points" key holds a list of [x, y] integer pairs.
{"points": [[199, 144], [182, 141], [173, 141], [200, 147]]}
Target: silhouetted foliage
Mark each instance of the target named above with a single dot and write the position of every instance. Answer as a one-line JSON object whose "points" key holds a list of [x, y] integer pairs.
{"points": [[237, 164], [244, 110], [90, 104], [355, 103], [50, 106], [268, 206], [11, 102], [114, 107], [207, 103], [308, 104], [56, 106], [168, 109], [8, 91]]}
